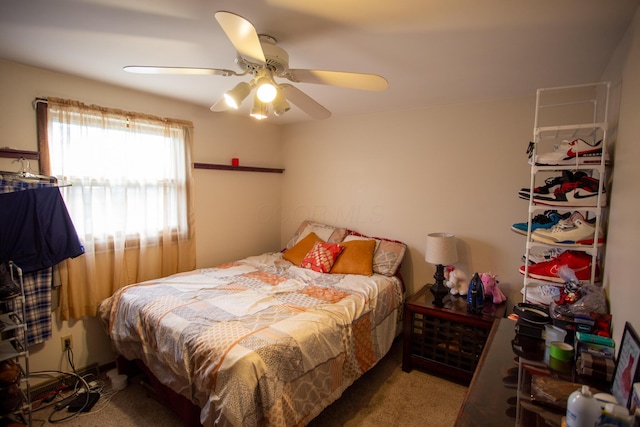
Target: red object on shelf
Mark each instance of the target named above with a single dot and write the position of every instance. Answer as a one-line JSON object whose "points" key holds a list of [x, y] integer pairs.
{"points": [[235, 161]]}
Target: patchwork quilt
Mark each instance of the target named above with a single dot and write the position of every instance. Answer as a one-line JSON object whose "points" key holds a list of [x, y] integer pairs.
{"points": [[257, 341]]}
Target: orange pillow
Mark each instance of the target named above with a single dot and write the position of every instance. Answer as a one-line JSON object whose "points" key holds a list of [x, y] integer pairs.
{"points": [[298, 251], [356, 258]]}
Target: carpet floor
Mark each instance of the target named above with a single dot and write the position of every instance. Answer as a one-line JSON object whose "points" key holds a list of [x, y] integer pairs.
{"points": [[384, 396]]}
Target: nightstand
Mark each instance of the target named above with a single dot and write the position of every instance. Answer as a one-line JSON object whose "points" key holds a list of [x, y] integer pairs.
{"points": [[445, 340]]}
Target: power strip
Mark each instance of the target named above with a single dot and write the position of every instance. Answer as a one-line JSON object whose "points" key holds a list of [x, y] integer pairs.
{"points": [[83, 402], [64, 402]]}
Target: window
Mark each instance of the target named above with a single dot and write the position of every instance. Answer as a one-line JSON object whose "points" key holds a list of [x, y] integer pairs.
{"points": [[136, 177], [128, 194]]}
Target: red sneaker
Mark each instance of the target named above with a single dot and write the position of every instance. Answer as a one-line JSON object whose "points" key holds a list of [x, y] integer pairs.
{"points": [[579, 262]]}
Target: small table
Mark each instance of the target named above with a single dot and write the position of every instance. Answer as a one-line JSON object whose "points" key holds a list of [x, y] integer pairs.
{"points": [[447, 340]]}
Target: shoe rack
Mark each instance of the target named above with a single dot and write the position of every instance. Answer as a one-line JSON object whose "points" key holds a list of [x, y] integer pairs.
{"points": [[568, 113], [15, 388]]}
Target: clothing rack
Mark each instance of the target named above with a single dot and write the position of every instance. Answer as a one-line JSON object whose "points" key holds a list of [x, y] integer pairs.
{"points": [[26, 174]]}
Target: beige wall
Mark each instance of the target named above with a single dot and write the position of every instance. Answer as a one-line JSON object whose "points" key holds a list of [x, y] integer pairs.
{"points": [[406, 174], [621, 274], [230, 206]]}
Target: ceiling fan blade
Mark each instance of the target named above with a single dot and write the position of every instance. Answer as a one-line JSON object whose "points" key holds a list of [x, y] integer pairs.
{"points": [[243, 36], [304, 102], [142, 69], [339, 78], [219, 106]]}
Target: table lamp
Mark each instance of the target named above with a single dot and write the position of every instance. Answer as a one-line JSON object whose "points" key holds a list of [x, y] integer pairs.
{"points": [[441, 251]]}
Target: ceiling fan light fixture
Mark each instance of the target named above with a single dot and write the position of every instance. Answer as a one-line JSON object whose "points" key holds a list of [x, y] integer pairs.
{"points": [[266, 89], [259, 109], [235, 96], [280, 104]]}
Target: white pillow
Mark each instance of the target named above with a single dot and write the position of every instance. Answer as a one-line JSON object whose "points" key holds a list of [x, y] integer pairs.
{"points": [[328, 233]]}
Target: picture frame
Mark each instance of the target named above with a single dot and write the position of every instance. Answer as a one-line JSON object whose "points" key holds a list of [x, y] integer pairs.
{"points": [[627, 370]]}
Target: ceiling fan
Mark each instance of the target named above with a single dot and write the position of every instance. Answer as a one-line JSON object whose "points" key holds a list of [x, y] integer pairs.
{"points": [[259, 56]]}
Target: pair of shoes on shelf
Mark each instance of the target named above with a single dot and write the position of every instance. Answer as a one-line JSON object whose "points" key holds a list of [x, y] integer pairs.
{"points": [[575, 230], [10, 399], [563, 267], [536, 257], [546, 220], [576, 152], [551, 184], [541, 293], [9, 372], [579, 190]]}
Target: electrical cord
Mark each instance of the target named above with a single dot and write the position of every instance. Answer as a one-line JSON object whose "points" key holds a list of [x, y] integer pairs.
{"points": [[81, 386], [64, 403], [70, 359]]}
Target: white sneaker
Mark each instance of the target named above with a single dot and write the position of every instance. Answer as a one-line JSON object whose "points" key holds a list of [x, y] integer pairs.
{"points": [[541, 293], [542, 256], [576, 152], [574, 231]]}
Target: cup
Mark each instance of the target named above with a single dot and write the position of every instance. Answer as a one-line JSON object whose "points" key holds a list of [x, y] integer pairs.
{"points": [[553, 333]]}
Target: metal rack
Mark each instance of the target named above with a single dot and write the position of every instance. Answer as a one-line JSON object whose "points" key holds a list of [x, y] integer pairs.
{"points": [[13, 342], [568, 113]]}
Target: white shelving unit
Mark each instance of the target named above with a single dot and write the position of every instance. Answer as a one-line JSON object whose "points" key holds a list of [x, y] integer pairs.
{"points": [[13, 344], [569, 113]]}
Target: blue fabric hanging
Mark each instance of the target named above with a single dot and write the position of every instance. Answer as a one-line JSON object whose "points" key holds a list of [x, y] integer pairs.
{"points": [[36, 233]]}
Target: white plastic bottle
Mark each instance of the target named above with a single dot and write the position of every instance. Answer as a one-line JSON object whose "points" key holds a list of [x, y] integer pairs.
{"points": [[583, 410]]}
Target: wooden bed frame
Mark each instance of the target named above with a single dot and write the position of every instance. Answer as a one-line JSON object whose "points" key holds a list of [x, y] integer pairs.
{"points": [[186, 410]]}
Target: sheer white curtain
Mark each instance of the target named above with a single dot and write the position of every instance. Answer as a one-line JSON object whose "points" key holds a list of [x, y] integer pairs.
{"points": [[130, 198]]}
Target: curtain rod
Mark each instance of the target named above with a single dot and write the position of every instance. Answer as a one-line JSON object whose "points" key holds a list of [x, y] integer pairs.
{"points": [[117, 111], [39, 101]]}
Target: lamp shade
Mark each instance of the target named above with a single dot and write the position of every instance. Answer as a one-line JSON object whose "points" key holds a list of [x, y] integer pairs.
{"points": [[259, 109], [235, 96], [441, 249], [280, 104]]}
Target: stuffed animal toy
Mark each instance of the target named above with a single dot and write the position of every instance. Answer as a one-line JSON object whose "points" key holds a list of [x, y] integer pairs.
{"points": [[456, 280], [491, 287]]}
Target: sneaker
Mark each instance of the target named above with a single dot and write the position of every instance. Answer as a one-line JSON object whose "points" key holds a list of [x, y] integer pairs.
{"points": [[549, 271], [543, 256], [575, 231], [9, 373], [541, 221], [552, 184], [543, 294], [583, 192], [573, 152]]}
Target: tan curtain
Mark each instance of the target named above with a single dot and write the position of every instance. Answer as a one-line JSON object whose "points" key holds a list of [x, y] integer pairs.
{"points": [[132, 209]]}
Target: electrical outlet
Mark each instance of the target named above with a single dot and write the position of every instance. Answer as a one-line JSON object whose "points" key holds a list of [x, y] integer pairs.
{"points": [[67, 342]]}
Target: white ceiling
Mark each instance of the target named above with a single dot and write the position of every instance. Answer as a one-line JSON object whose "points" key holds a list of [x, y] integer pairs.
{"points": [[432, 52]]}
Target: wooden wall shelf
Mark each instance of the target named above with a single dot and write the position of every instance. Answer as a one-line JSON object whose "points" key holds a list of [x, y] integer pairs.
{"points": [[17, 154], [236, 168]]}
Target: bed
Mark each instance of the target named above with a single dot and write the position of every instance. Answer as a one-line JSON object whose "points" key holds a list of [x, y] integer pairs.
{"points": [[271, 339]]}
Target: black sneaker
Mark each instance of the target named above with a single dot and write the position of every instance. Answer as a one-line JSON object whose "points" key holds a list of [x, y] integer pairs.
{"points": [[8, 289], [551, 184]]}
